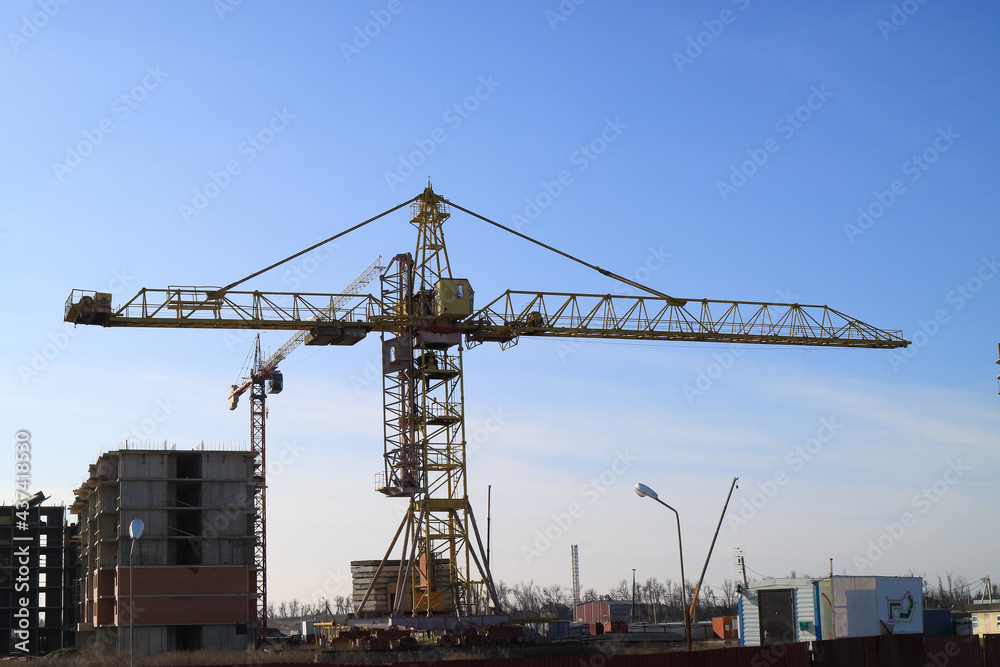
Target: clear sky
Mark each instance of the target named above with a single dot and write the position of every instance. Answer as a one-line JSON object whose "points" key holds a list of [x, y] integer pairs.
{"points": [[824, 153]]}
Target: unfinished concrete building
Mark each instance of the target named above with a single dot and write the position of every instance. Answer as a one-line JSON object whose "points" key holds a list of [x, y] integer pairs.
{"points": [[194, 580], [38, 567]]}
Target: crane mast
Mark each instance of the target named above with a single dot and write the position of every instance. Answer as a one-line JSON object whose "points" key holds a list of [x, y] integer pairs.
{"points": [[258, 416], [424, 420]]}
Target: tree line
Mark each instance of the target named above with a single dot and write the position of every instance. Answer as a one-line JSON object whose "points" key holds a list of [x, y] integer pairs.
{"points": [[655, 601], [321, 610]]}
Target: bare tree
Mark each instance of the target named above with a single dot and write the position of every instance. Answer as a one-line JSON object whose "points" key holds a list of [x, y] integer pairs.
{"points": [[590, 595], [729, 595], [526, 596], [557, 601], [623, 591], [503, 595], [652, 593]]}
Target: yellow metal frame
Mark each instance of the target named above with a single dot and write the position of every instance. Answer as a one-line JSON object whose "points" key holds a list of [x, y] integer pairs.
{"points": [[424, 403]]}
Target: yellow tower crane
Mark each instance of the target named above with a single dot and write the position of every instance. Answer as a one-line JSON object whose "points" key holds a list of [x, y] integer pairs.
{"points": [[425, 316]]}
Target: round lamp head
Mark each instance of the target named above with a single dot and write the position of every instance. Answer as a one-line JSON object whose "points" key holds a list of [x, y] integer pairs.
{"points": [[642, 491], [135, 529]]}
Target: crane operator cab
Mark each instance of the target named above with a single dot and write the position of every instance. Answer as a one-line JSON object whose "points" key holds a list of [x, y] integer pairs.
{"points": [[453, 298]]}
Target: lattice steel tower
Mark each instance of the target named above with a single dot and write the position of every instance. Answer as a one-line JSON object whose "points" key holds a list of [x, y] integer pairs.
{"points": [[443, 568]]}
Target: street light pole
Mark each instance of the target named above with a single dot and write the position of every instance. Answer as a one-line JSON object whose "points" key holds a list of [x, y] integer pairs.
{"points": [[135, 532], [644, 491], [632, 608]]}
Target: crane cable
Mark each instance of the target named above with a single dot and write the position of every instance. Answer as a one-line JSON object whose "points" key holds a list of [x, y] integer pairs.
{"points": [[218, 293], [670, 300]]}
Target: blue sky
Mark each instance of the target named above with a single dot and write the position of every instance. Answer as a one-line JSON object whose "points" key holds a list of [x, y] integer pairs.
{"points": [[823, 153]]}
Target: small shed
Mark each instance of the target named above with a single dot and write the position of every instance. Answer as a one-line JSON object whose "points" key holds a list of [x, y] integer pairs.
{"points": [[777, 611], [604, 611]]}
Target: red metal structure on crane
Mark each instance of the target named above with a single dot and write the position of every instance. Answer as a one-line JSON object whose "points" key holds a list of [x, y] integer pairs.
{"points": [[265, 371]]}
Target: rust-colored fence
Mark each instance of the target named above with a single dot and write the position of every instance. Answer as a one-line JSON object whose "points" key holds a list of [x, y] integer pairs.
{"points": [[991, 650], [899, 651], [885, 651], [953, 651]]}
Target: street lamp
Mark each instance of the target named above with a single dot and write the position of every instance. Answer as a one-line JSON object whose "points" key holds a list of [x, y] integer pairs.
{"points": [[644, 491], [135, 532]]}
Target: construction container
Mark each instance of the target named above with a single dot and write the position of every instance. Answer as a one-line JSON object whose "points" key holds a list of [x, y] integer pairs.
{"points": [[726, 627], [937, 623], [558, 629], [618, 626]]}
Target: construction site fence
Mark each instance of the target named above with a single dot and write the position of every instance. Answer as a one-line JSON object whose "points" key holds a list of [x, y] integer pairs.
{"points": [[885, 651]]}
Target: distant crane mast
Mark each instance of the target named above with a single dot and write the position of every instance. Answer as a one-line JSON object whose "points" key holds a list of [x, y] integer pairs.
{"points": [[575, 555], [266, 371]]}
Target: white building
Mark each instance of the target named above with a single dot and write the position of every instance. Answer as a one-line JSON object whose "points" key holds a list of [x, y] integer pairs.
{"points": [[776, 611]]}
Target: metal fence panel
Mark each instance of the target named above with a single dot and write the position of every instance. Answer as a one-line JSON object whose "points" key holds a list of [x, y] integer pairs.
{"points": [[900, 650], [953, 651], [846, 652], [991, 650]]}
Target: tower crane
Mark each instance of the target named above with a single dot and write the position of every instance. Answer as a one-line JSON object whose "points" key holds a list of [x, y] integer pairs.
{"points": [[426, 318], [263, 371]]}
